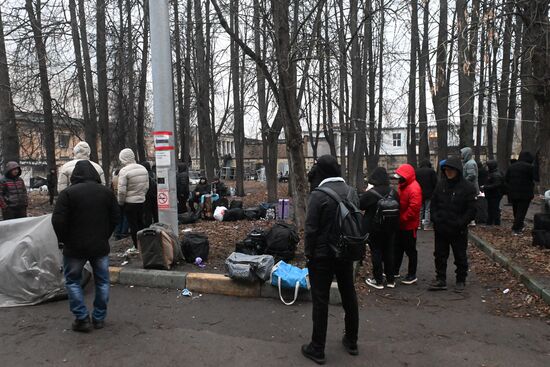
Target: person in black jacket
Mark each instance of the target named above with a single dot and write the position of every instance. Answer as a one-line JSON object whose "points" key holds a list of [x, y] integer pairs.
{"points": [[381, 241], [493, 190], [84, 218], [520, 185], [13, 193], [182, 187], [453, 208], [427, 178], [150, 207], [202, 188], [52, 184], [322, 264]]}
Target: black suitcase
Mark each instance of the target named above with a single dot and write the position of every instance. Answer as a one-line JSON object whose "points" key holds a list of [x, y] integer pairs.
{"points": [[541, 221], [156, 248], [482, 211], [236, 204], [541, 238], [232, 215], [195, 245]]}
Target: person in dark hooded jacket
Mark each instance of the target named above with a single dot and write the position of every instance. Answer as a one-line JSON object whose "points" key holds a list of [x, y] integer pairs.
{"points": [[322, 263], [150, 207], [182, 186], [84, 218], [202, 188], [427, 179], [13, 193], [453, 208], [493, 190], [381, 241], [520, 185]]}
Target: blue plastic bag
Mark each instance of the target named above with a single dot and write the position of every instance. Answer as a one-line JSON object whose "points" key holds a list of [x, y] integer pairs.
{"points": [[284, 275]]}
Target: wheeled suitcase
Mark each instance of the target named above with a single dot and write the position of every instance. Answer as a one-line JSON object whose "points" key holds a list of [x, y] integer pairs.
{"points": [[157, 247]]}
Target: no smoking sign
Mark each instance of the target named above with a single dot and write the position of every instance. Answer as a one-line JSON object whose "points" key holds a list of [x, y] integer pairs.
{"points": [[163, 199]]}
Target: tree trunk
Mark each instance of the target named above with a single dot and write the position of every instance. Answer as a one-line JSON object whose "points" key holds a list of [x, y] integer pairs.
{"points": [[9, 139], [103, 92], [503, 93], [179, 77], [493, 53], [424, 147], [289, 109], [481, 102], [342, 110], [328, 123], [238, 120], [91, 128], [140, 118], [440, 92], [203, 112], [49, 136], [376, 157], [512, 108], [372, 162], [121, 121], [186, 112], [411, 131], [132, 135], [88, 128], [529, 123]]}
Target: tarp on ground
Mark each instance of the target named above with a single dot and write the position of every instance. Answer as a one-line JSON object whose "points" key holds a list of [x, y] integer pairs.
{"points": [[30, 262]]}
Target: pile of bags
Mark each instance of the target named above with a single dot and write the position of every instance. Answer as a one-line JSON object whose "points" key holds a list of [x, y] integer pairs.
{"points": [[268, 211], [541, 228]]}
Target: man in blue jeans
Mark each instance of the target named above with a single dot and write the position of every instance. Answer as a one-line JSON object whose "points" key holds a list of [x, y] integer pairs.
{"points": [[84, 218]]}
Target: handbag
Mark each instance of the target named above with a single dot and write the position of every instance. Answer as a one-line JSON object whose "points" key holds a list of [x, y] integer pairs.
{"points": [[284, 275]]}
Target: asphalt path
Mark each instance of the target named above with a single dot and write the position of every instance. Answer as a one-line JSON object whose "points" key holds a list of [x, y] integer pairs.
{"points": [[406, 326]]}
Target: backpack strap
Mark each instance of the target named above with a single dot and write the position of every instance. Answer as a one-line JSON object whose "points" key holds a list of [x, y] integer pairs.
{"points": [[376, 193], [330, 192]]}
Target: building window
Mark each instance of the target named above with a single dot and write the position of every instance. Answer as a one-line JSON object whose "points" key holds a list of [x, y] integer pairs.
{"points": [[396, 139], [64, 141]]}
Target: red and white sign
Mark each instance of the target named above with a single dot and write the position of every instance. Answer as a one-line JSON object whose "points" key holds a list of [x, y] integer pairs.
{"points": [[163, 199], [162, 140]]}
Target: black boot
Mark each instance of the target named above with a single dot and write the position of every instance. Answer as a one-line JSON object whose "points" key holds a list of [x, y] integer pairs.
{"points": [[350, 347], [82, 326], [309, 352]]}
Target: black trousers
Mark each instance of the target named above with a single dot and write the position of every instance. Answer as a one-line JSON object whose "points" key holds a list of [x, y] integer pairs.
{"points": [[493, 210], [382, 248], [150, 213], [520, 208], [459, 245], [134, 214], [321, 273], [182, 202], [406, 244], [14, 212]]}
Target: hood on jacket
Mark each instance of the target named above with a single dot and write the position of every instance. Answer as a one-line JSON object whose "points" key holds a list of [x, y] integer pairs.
{"points": [[327, 166], [453, 162], [10, 166], [182, 167], [425, 163], [83, 172], [526, 156], [82, 150], [127, 157], [407, 172], [379, 177], [492, 165], [466, 154]]}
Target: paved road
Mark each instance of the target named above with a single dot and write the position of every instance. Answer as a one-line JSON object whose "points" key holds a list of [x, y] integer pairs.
{"points": [[407, 326]]}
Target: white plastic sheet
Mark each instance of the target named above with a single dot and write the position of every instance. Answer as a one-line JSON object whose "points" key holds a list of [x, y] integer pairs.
{"points": [[30, 262]]}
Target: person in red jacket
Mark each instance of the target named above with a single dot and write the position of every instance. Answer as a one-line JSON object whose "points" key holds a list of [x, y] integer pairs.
{"points": [[410, 199]]}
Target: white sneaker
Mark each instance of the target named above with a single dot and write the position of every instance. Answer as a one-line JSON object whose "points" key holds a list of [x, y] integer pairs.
{"points": [[132, 251], [390, 285], [373, 283]]}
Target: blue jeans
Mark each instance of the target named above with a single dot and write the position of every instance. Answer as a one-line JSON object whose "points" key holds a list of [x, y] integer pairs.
{"points": [[72, 269], [121, 228]]}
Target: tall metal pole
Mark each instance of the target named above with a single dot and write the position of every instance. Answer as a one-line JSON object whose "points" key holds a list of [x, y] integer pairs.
{"points": [[163, 109]]}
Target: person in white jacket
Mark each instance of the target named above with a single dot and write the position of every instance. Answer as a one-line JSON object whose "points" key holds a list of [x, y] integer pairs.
{"points": [[80, 151], [133, 183]]}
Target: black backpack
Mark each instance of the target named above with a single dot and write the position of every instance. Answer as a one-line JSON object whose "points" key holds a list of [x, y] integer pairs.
{"points": [[195, 245], [281, 241], [253, 244], [351, 242], [387, 212]]}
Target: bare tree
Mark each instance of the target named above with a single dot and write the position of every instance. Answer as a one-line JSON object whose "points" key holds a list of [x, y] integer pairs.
{"points": [[101, 49], [140, 117], [411, 126], [238, 120], [424, 147]]}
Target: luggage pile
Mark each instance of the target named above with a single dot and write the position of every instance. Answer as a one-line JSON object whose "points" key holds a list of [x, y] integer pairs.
{"points": [[268, 211], [541, 228]]}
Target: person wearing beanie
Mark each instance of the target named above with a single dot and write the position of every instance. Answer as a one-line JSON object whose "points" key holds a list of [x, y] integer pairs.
{"points": [[520, 184], [81, 151], [453, 208], [322, 263], [381, 240], [13, 193], [410, 203], [133, 184]]}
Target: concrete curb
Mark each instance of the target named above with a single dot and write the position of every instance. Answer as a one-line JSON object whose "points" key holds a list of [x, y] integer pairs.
{"points": [[208, 283], [530, 282]]}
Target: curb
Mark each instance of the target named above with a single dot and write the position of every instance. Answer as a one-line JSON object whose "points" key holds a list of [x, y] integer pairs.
{"points": [[530, 282], [208, 283]]}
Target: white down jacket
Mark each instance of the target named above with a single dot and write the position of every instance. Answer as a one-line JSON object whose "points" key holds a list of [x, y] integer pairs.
{"points": [[133, 179], [81, 151]]}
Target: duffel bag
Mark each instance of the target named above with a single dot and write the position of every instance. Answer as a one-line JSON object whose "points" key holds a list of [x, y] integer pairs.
{"points": [[541, 238], [236, 204], [189, 217], [541, 221], [281, 241], [232, 215], [252, 213], [195, 245], [249, 268], [284, 275]]}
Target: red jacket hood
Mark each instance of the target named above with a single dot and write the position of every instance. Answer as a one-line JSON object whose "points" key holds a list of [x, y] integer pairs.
{"points": [[407, 172]]}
